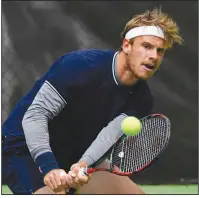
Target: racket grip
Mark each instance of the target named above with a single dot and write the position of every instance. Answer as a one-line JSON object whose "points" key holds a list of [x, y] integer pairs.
{"points": [[83, 171]]}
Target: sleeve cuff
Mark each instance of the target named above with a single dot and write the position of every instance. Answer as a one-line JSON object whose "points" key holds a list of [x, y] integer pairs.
{"points": [[46, 162]]}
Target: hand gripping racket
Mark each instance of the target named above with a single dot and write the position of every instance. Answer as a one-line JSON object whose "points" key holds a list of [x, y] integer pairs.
{"points": [[133, 154]]}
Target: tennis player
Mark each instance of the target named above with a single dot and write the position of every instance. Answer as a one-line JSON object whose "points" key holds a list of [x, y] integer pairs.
{"points": [[84, 93]]}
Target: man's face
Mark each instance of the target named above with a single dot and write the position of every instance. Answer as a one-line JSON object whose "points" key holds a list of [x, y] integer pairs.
{"points": [[144, 56]]}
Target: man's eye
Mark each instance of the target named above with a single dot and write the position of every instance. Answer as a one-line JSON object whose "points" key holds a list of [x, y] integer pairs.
{"points": [[160, 51], [147, 46]]}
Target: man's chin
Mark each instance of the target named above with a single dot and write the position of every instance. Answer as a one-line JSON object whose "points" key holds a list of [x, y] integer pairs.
{"points": [[144, 77]]}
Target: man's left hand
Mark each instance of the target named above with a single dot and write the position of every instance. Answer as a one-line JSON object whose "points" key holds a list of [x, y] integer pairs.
{"points": [[76, 178]]}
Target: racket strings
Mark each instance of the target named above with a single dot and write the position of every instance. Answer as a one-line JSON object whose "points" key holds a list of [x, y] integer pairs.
{"points": [[134, 152]]}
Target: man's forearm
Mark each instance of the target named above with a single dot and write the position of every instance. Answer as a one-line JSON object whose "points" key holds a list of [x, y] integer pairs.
{"points": [[46, 105], [103, 141], [37, 139]]}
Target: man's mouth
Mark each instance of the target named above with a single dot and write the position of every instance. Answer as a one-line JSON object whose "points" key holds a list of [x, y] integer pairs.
{"points": [[148, 67]]}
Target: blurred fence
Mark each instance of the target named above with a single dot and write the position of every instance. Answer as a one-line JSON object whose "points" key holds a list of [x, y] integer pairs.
{"points": [[35, 33]]}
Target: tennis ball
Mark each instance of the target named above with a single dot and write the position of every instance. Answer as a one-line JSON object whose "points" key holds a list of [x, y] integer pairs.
{"points": [[131, 126]]}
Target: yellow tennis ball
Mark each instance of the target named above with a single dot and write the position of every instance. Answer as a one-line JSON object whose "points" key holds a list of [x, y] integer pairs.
{"points": [[131, 126]]}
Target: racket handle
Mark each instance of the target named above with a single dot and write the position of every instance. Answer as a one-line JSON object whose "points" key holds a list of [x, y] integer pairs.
{"points": [[83, 171], [87, 171]]}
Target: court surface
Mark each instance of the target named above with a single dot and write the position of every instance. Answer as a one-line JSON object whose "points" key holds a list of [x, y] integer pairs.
{"points": [[152, 189]]}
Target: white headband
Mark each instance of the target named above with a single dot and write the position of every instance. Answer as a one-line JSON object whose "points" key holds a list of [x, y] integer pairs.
{"points": [[145, 30]]}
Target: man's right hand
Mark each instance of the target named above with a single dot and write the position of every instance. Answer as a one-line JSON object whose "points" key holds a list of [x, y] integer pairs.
{"points": [[56, 180], [75, 177]]}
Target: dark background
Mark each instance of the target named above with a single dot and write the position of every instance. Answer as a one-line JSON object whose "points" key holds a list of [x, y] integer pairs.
{"points": [[35, 33]]}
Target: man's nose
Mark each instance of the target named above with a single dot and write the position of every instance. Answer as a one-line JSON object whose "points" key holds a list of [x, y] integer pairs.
{"points": [[154, 54]]}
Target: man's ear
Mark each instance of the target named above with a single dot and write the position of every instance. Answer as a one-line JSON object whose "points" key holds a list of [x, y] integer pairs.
{"points": [[126, 46]]}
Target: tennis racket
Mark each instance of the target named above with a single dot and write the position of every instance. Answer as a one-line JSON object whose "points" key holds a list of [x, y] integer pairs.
{"points": [[133, 154]]}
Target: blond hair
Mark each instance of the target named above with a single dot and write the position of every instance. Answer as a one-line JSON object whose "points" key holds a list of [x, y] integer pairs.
{"points": [[156, 18]]}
